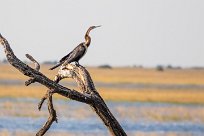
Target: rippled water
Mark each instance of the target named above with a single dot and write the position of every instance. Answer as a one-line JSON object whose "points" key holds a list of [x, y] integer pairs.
{"points": [[76, 118]]}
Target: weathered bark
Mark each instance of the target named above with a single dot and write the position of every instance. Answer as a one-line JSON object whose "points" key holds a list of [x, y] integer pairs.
{"points": [[48, 96], [88, 93], [51, 118]]}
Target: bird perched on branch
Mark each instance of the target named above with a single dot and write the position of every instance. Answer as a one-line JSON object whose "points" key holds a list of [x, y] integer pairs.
{"points": [[78, 52]]}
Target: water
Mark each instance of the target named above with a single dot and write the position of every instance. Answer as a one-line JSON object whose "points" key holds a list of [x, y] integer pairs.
{"points": [[21, 114], [118, 85]]}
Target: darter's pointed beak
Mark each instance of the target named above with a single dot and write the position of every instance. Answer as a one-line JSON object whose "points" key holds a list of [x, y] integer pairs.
{"points": [[98, 26]]}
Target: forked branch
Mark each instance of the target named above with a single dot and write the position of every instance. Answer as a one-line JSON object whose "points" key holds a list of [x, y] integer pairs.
{"points": [[52, 113], [87, 94]]}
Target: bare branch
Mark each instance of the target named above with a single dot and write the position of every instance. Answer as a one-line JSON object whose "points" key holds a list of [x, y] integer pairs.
{"points": [[89, 93], [37, 65], [71, 71], [30, 81], [40, 78], [85, 83], [42, 101], [51, 118]]}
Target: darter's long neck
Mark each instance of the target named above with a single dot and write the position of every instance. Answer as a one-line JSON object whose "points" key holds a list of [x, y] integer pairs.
{"points": [[87, 38]]}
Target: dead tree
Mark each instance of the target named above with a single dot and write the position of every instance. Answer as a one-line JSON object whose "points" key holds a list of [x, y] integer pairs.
{"points": [[87, 94]]}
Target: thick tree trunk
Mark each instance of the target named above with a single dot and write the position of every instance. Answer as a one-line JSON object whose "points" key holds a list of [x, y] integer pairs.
{"points": [[87, 94]]}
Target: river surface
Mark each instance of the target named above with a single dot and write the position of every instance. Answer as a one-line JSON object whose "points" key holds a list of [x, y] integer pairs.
{"points": [[117, 85], [19, 115]]}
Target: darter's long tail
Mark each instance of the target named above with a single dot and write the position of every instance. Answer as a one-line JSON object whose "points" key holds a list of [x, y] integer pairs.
{"points": [[57, 65]]}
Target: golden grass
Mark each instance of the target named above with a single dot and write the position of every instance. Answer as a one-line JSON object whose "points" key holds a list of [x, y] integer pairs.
{"points": [[150, 95], [119, 75], [9, 72], [138, 75], [23, 91], [20, 91]]}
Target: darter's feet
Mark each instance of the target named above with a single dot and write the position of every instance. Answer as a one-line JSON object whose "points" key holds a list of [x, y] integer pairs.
{"points": [[77, 64]]}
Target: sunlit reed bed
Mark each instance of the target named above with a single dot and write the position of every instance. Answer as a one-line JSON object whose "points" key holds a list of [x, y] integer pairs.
{"points": [[149, 95], [191, 79], [123, 75]]}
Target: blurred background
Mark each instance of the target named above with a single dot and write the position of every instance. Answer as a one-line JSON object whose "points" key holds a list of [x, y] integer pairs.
{"points": [[146, 61]]}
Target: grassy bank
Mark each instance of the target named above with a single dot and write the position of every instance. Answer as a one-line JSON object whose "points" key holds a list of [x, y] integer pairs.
{"points": [[119, 75], [150, 95], [122, 75]]}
